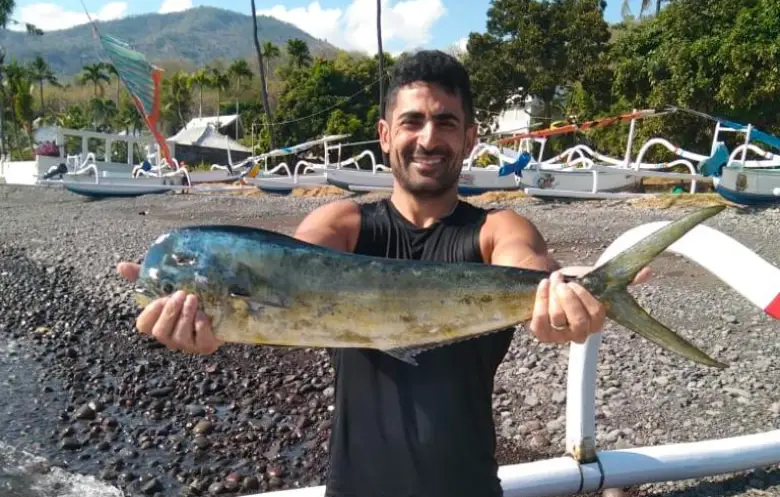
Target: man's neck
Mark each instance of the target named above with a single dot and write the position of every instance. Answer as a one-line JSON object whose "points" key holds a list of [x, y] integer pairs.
{"points": [[423, 212]]}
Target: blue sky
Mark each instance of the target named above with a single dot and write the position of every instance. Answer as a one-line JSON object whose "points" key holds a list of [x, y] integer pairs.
{"points": [[349, 24]]}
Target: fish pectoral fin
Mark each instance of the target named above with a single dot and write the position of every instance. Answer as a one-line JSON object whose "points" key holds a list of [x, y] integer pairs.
{"points": [[626, 311], [262, 298], [255, 290]]}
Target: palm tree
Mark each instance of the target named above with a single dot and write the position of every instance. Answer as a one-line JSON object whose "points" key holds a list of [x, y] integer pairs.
{"points": [[200, 78], [239, 69], [299, 52], [178, 95], [270, 52], [266, 107], [93, 73], [41, 72], [220, 82], [111, 70], [20, 86]]}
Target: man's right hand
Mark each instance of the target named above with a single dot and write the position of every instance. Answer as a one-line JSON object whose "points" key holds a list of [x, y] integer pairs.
{"points": [[174, 321]]}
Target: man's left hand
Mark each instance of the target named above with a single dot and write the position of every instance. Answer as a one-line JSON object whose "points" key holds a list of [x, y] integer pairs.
{"points": [[566, 312]]}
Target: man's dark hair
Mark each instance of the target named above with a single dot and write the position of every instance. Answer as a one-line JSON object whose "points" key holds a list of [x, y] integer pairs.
{"points": [[431, 66]]}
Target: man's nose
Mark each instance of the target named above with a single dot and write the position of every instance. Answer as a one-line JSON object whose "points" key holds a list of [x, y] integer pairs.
{"points": [[427, 135]]}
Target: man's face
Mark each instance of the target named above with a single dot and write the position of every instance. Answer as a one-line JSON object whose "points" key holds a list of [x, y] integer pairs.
{"points": [[426, 139]]}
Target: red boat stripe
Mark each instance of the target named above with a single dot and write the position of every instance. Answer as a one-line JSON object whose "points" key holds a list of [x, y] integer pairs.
{"points": [[774, 307]]}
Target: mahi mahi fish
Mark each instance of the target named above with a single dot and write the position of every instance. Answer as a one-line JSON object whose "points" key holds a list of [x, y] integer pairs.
{"points": [[262, 287]]}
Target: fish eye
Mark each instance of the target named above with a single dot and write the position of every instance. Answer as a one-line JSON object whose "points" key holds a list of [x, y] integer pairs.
{"points": [[167, 287]]}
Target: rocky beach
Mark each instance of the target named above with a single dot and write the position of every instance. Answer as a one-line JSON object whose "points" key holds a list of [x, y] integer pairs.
{"points": [[85, 394]]}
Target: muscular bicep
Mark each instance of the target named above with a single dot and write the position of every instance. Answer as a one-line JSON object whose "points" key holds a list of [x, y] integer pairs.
{"points": [[333, 225], [515, 241]]}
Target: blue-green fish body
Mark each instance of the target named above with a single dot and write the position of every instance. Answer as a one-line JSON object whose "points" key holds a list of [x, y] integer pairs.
{"points": [[262, 287]]}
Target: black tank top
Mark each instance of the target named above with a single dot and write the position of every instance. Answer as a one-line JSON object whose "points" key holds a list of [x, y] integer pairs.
{"points": [[417, 431]]}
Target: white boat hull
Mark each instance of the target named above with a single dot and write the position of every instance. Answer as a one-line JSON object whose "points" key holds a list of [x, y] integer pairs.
{"points": [[578, 182], [749, 186], [477, 181], [355, 180], [112, 186], [286, 184]]}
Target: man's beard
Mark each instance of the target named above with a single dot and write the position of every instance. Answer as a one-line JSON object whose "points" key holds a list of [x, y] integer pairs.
{"points": [[446, 176]]}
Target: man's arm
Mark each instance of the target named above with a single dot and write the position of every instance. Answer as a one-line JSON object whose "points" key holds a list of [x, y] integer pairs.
{"points": [[512, 240], [563, 312], [334, 225]]}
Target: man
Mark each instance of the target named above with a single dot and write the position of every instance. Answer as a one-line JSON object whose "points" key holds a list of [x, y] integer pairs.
{"points": [[427, 430]]}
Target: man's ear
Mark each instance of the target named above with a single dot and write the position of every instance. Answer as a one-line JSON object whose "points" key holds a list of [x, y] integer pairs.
{"points": [[471, 138], [383, 129]]}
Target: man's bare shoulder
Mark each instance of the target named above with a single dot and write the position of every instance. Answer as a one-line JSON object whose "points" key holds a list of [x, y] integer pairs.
{"points": [[335, 225]]}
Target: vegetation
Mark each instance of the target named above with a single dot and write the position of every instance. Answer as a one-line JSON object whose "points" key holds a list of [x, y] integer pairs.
{"points": [[721, 57]]}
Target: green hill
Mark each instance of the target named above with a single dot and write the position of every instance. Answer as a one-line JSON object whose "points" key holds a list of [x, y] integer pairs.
{"points": [[193, 37]]}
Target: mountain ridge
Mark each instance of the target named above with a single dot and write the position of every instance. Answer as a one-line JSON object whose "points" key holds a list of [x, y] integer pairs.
{"points": [[174, 36]]}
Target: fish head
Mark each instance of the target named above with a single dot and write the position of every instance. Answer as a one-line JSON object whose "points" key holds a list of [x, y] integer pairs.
{"points": [[183, 260]]}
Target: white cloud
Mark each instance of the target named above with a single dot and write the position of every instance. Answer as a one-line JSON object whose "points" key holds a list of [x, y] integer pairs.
{"points": [[406, 24], [174, 6], [51, 17]]}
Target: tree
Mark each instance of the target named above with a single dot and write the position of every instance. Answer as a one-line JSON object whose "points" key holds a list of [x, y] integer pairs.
{"points": [[177, 97], [299, 52], [112, 71], [200, 78], [715, 56], [94, 73], [270, 52], [263, 84], [220, 82], [536, 48], [239, 69], [40, 71]]}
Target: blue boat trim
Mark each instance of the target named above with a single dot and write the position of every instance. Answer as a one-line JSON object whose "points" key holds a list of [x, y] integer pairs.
{"points": [[743, 198]]}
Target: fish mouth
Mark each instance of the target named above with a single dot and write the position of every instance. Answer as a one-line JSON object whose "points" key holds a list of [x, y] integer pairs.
{"points": [[144, 296]]}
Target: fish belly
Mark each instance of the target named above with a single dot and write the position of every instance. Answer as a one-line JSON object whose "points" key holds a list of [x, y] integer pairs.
{"points": [[377, 320]]}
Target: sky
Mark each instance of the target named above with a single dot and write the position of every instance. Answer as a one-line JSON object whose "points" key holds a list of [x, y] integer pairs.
{"points": [[348, 24]]}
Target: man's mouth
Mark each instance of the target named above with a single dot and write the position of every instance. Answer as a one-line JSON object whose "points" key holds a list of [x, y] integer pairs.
{"points": [[428, 162]]}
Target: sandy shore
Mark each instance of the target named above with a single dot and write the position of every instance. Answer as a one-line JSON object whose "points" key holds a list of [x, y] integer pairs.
{"points": [[88, 393]]}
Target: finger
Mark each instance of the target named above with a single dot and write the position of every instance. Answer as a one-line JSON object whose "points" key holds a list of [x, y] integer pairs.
{"points": [[642, 276], [145, 321], [183, 337], [128, 270], [574, 313], [166, 323], [540, 321], [205, 341], [557, 314], [593, 307]]}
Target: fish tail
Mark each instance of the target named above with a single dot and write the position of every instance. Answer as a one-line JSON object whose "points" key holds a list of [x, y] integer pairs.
{"points": [[609, 284]]}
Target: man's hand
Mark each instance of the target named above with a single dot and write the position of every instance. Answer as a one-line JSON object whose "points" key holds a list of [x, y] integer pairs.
{"points": [[174, 321], [567, 312]]}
